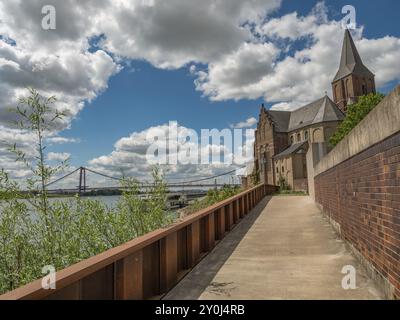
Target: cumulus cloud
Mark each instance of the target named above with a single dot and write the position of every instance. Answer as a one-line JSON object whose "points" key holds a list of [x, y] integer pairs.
{"points": [[62, 140], [306, 69], [170, 34], [233, 49], [57, 156], [130, 153], [250, 122]]}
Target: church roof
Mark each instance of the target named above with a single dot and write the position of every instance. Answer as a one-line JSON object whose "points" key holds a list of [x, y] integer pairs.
{"points": [[280, 119], [319, 111], [290, 150], [350, 62]]}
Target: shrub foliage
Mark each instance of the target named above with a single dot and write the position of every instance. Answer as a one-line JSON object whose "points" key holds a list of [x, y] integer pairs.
{"points": [[355, 113], [36, 231]]}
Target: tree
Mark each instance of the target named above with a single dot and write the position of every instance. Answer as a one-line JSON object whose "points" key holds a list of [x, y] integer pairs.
{"points": [[355, 114], [36, 115]]}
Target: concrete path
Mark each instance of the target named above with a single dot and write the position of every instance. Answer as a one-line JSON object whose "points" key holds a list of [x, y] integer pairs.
{"points": [[284, 249]]}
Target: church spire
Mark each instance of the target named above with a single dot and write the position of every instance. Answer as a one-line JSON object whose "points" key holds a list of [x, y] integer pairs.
{"points": [[351, 62], [353, 79]]}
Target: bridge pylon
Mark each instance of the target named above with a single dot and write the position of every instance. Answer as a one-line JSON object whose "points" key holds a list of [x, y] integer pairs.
{"points": [[82, 180]]}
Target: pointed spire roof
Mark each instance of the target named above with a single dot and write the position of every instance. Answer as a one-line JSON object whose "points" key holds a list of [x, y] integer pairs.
{"points": [[351, 61]]}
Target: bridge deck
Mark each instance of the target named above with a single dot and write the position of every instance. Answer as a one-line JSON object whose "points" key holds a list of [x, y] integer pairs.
{"points": [[284, 249]]}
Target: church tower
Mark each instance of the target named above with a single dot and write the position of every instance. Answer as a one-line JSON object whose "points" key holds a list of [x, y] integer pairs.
{"points": [[353, 79]]}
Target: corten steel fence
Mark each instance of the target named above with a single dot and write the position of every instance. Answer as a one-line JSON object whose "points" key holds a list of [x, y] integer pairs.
{"points": [[148, 266]]}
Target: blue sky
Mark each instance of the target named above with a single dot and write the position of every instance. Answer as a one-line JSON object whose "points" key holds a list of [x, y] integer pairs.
{"points": [[144, 96], [122, 88]]}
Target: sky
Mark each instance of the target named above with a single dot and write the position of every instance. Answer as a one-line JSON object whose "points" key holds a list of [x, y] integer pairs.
{"points": [[124, 68]]}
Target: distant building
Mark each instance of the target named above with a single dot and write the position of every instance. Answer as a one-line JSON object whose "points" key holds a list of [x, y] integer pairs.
{"points": [[283, 138]]}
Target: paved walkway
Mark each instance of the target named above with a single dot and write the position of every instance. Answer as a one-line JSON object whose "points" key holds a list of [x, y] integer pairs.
{"points": [[284, 249]]}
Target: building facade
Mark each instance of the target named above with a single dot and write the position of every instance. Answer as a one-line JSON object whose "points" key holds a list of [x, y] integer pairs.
{"points": [[283, 138]]}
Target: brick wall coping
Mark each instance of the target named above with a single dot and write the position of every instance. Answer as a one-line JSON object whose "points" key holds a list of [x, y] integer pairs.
{"points": [[380, 124]]}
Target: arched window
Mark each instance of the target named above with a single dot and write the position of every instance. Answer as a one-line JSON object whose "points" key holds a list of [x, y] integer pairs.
{"points": [[337, 90], [283, 169], [371, 82], [298, 137], [364, 89], [305, 135], [291, 139], [347, 88]]}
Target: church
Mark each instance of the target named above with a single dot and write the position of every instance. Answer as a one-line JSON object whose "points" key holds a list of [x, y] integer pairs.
{"points": [[289, 144]]}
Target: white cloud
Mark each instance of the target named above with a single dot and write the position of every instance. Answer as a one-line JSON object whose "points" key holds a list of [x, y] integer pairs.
{"points": [[228, 58], [170, 34], [303, 75], [55, 156], [245, 124], [62, 140], [129, 155]]}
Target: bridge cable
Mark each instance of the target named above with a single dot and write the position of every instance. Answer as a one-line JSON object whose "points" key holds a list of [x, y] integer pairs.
{"points": [[63, 177]]}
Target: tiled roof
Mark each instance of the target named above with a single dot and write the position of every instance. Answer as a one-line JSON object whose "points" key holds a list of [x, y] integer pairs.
{"points": [[322, 110], [292, 149]]}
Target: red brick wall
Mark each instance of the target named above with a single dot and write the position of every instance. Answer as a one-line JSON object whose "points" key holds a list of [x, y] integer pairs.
{"points": [[362, 194]]}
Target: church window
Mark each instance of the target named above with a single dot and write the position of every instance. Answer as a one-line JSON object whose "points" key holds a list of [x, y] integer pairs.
{"points": [[371, 82], [337, 89], [364, 89], [306, 135], [298, 137], [291, 139], [347, 88]]}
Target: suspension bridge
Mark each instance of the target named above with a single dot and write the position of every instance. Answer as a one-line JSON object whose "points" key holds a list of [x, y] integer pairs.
{"points": [[183, 186]]}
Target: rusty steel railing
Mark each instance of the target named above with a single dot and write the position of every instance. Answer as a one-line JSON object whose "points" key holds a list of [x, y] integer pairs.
{"points": [[150, 265]]}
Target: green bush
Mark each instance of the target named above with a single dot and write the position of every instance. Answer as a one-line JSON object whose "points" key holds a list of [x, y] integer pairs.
{"points": [[36, 232], [212, 197], [355, 113]]}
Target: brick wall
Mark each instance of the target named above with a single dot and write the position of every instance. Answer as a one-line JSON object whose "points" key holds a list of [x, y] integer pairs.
{"points": [[362, 196]]}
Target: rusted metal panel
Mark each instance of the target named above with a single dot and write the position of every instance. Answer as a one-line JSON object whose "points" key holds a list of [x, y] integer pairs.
{"points": [[129, 277], [209, 231], [228, 218], [168, 262], [71, 292], [99, 285], [183, 249], [236, 212], [231, 220], [241, 207], [220, 225], [107, 275], [151, 270], [193, 243]]}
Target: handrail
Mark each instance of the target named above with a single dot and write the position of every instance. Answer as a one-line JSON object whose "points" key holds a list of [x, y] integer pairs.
{"points": [[163, 243]]}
